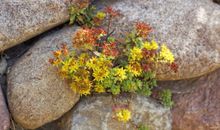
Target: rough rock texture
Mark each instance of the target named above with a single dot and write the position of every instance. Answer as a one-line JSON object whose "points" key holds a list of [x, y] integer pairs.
{"points": [[96, 114], [191, 29], [23, 19], [4, 115], [198, 108], [3, 65], [36, 94]]}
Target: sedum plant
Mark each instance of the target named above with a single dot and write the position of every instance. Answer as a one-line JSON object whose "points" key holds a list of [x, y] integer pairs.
{"points": [[166, 98], [98, 62]]}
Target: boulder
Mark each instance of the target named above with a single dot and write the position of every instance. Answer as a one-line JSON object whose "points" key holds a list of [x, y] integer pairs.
{"points": [[21, 20], [4, 115], [197, 106], [190, 28], [96, 113], [36, 94]]}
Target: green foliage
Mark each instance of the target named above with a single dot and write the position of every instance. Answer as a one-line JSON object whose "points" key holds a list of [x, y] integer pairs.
{"points": [[81, 15], [143, 127], [166, 98]]}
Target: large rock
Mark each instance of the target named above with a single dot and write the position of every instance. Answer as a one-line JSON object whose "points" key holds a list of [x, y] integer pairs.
{"points": [[95, 113], [191, 29], [36, 94], [198, 106], [23, 19], [4, 115]]}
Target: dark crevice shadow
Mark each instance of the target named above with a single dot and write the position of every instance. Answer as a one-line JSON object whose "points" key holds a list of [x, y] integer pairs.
{"points": [[217, 1]]}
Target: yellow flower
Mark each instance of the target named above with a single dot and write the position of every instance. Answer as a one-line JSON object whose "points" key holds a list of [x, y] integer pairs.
{"points": [[100, 15], [134, 68], [65, 68], [151, 46], [166, 54], [98, 63], [123, 115], [92, 63], [100, 74], [81, 86], [120, 73], [73, 66], [83, 58], [99, 88], [135, 54]]}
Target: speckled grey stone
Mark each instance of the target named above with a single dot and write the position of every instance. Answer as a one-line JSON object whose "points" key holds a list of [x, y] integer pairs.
{"points": [[21, 20], [4, 115], [190, 28], [95, 113], [36, 94]]}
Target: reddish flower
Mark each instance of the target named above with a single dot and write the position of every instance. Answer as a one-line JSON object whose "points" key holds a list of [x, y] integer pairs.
{"points": [[148, 53], [51, 61], [143, 29], [64, 49], [174, 67], [145, 67], [98, 32], [110, 49], [86, 38], [111, 12]]}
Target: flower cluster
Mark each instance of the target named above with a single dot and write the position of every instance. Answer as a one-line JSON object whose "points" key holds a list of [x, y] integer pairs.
{"points": [[143, 29], [99, 63], [123, 115]]}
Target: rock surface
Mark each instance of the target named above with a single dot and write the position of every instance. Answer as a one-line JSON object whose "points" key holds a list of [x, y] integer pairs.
{"points": [[95, 113], [21, 20], [36, 94], [190, 28], [3, 65], [198, 108], [4, 115]]}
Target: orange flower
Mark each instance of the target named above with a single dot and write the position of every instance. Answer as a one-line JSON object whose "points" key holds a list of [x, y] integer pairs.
{"points": [[110, 49], [87, 38], [57, 53], [64, 49], [143, 29], [148, 53], [84, 39]]}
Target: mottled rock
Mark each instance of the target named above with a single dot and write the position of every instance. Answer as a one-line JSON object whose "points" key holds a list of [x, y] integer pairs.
{"points": [[4, 115], [198, 106], [3, 65], [191, 29], [95, 113], [21, 20], [36, 94]]}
